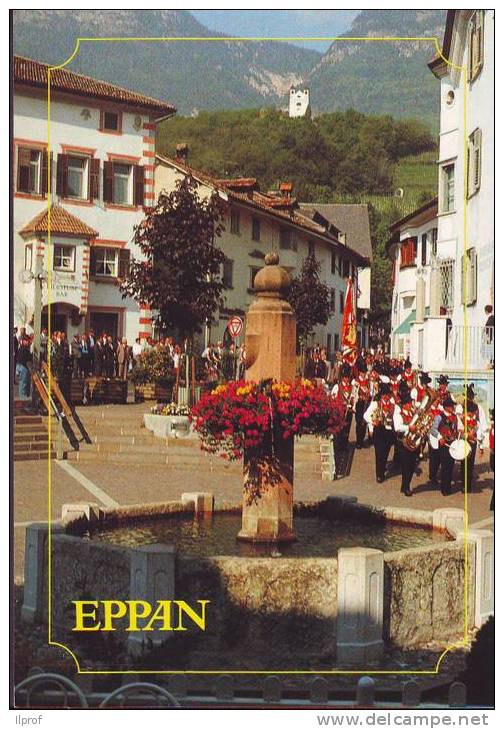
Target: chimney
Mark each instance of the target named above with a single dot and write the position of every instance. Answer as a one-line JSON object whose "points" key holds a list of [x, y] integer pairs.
{"points": [[182, 153], [286, 189]]}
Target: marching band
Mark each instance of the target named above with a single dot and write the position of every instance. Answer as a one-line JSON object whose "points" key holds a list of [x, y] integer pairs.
{"points": [[396, 406]]}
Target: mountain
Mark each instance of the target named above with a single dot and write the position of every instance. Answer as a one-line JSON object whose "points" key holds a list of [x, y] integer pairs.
{"points": [[381, 77], [375, 77], [192, 75]]}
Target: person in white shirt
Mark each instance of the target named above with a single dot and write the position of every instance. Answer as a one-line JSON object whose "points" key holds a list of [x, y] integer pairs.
{"points": [[379, 416]]}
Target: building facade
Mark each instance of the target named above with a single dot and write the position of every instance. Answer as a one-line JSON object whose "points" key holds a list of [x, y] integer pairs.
{"points": [[98, 176], [451, 334], [257, 222], [412, 248]]}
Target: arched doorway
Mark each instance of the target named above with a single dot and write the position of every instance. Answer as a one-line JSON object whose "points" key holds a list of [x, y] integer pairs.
{"points": [[64, 318]]}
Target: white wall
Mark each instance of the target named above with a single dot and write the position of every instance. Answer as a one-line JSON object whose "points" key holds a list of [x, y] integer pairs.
{"points": [[70, 127], [480, 207]]}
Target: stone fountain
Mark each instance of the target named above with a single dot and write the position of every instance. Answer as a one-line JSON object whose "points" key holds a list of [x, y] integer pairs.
{"points": [[270, 343]]}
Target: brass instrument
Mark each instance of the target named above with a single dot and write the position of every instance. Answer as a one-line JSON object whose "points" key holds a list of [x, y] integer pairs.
{"points": [[422, 419]]}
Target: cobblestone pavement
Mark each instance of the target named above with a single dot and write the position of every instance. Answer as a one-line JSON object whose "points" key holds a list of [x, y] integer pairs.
{"points": [[130, 483]]}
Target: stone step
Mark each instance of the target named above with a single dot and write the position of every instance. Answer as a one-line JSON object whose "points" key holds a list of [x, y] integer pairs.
{"points": [[27, 419], [30, 437], [26, 455], [34, 445], [131, 439]]}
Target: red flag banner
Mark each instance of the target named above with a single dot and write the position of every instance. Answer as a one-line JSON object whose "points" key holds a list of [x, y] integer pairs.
{"points": [[349, 326]]}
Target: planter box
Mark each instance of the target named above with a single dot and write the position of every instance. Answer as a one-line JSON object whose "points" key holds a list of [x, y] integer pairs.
{"points": [[167, 426], [151, 391], [96, 387], [116, 391]]}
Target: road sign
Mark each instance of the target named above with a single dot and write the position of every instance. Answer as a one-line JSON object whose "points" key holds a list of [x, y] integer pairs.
{"points": [[235, 326]]}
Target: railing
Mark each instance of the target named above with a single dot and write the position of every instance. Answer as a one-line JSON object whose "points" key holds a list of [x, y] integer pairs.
{"points": [[51, 690], [471, 346]]}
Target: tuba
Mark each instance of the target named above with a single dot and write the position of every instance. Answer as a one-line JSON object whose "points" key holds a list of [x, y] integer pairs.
{"points": [[423, 419]]}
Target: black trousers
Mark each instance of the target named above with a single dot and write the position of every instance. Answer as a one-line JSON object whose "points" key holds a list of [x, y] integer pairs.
{"points": [[360, 423], [470, 467], [408, 461], [342, 438], [447, 464], [434, 462], [383, 440]]}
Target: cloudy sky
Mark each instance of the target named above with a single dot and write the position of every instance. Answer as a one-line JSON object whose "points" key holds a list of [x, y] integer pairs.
{"points": [[274, 23]]}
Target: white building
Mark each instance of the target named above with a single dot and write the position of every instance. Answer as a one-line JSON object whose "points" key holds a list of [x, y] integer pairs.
{"points": [[101, 176], [458, 281], [258, 222], [412, 248], [299, 102]]}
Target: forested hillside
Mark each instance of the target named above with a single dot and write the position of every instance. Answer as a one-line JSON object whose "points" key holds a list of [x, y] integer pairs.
{"points": [[329, 157]]}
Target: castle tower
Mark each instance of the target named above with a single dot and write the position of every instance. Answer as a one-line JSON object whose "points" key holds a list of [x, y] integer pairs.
{"points": [[299, 101]]}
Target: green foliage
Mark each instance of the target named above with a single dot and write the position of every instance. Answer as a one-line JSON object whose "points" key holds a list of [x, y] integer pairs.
{"points": [[154, 366], [310, 299], [179, 275], [343, 153]]}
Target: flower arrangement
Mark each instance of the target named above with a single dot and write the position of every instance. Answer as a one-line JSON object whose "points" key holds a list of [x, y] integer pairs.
{"points": [[171, 409], [239, 415]]}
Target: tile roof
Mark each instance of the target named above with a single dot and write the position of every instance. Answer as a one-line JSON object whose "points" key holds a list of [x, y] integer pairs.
{"points": [[350, 219], [284, 208], [62, 223], [34, 73]]}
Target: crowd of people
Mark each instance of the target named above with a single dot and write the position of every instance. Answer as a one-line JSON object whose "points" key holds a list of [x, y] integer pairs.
{"points": [[87, 354], [396, 407]]}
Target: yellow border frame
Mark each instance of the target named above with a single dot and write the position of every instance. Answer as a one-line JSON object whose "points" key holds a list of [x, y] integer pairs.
{"points": [[460, 644]]}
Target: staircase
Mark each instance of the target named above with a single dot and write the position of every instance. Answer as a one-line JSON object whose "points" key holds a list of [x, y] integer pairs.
{"points": [[118, 436], [31, 439]]}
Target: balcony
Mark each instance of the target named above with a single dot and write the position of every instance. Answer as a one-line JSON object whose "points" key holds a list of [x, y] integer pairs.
{"points": [[470, 347]]}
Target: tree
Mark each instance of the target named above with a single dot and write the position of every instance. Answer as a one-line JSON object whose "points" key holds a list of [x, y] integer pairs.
{"points": [[179, 275], [310, 299], [381, 269]]}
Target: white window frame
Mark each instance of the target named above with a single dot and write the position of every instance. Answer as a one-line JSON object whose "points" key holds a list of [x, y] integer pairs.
{"points": [[63, 252], [444, 187], [36, 165], [123, 176], [474, 163], [84, 170], [106, 253]]}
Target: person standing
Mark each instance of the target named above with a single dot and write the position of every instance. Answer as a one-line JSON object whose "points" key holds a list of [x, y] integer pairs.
{"points": [[361, 385], [342, 391], [24, 356], [123, 358], [109, 358], [447, 427], [136, 351], [85, 359], [380, 419], [403, 414], [15, 348], [76, 353]]}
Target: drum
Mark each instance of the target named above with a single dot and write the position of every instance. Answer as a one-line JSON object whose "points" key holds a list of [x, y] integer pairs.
{"points": [[459, 449]]}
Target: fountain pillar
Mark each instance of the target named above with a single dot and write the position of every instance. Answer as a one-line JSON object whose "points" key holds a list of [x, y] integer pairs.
{"points": [[270, 344]]}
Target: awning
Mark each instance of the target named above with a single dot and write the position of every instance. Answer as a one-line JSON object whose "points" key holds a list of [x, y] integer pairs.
{"points": [[404, 326]]}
